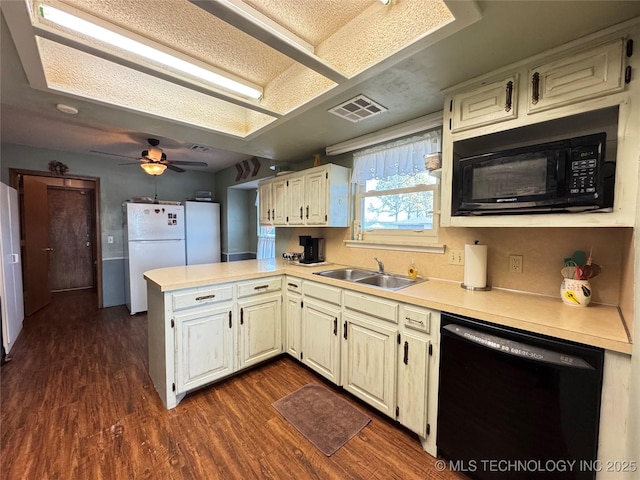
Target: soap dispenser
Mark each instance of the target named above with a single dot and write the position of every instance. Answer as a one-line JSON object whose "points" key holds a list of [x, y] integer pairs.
{"points": [[412, 271]]}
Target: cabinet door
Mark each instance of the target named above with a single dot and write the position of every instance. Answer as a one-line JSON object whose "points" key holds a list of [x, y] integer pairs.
{"points": [[321, 329], [491, 103], [264, 192], [260, 329], [205, 346], [315, 192], [293, 323], [295, 201], [592, 73], [369, 365], [413, 362], [279, 202]]}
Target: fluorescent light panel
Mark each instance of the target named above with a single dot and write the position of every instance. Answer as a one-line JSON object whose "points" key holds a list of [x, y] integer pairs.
{"points": [[109, 37]]}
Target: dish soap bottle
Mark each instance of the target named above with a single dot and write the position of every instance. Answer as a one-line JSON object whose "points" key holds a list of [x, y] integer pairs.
{"points": [[412, 270]]}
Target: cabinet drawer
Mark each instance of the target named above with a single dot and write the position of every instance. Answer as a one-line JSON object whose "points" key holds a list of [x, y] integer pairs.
{"points": [[261, 285], [325, 293], [201, 296], [375, 306], [293, 284], [416, 318]]}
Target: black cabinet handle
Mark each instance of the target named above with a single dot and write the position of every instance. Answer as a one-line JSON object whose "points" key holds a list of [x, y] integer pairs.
{"points": [[406, 353], [268, 214], [230, 325], [273, 213], [205, 297], [242, 316], [509, 101], [345, 330], [300, 212], [535, 83], [307, 211], [335, 326]]}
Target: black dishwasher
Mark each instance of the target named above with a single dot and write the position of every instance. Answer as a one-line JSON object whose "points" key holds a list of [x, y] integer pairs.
{"points": [[516, 405]]}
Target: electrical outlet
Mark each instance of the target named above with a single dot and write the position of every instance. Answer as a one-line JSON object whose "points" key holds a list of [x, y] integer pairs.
{"points": [[456, 257], [515, 263], [109, 238]]}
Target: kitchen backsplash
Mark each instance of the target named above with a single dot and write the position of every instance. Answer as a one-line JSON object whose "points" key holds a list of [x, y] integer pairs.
{"points": [[543, 250]]}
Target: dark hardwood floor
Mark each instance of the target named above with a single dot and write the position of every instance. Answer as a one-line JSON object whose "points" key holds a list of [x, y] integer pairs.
{"points": [[77, 403]]}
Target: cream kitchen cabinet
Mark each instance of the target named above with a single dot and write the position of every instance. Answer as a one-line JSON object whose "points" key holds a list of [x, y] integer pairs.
{"points": [[574, 90], [586, 74], [369, 361], [418, 347], [272, 202], [293, 316], [490, 103], [260, 320], [204, 340], [317, 196], [369, 349], [202, 334], [321, 329]]}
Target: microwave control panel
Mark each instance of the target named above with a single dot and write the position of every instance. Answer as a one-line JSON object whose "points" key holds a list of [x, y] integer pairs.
{"points": [[584, 172]]}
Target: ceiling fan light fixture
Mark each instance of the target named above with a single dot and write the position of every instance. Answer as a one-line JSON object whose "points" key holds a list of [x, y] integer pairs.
{"points": [[110, 37], [153, 168]]}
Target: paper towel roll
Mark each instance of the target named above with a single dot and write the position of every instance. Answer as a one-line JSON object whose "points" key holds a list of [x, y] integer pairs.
{"points": [[475, 266]]}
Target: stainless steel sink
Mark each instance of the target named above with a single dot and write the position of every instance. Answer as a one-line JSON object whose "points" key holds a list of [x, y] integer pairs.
{"points": [[368, 277], [390, 282], [348, 274]]}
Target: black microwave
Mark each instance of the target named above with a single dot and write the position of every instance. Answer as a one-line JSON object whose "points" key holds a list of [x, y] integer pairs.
{"points": [[562, 176]]}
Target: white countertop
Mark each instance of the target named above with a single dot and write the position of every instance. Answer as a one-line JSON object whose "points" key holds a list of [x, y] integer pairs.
{"points": [[598, 325]]}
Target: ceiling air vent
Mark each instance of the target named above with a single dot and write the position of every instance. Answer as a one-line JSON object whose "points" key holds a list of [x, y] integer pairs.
{"points": [[199, 148], [358, 108]]}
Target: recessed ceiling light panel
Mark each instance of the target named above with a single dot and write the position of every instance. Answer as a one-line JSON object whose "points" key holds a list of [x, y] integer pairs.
{"points": [[358, 109]]}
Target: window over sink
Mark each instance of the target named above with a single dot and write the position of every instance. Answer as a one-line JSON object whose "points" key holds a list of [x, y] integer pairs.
{"points": [[396, 196]]}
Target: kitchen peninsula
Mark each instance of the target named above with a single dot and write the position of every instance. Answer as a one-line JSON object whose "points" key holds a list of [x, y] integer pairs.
{"points": [[207, 322]]}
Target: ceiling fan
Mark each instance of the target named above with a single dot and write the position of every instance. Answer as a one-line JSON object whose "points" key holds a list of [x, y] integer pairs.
{"points": [[154, 160]]}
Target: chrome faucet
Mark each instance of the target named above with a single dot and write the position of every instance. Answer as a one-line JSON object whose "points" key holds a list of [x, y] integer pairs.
{"points": [[380, 265]]}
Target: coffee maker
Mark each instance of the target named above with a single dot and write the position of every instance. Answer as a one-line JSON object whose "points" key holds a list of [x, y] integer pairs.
{"points": [[313, 249]]}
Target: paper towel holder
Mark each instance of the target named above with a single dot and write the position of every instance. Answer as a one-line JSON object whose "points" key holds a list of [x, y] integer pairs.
{"points": [[476, 288]]}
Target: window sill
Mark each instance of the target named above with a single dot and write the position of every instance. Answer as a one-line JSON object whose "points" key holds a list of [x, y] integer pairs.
{"points": [[426, 248]]}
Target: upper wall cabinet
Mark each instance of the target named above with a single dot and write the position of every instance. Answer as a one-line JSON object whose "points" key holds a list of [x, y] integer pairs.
{"points": [[317, 196], [596, 71], [585, 87], [484, 105]]}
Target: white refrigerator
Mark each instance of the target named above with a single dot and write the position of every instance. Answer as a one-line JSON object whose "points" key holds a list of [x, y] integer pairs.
{"points": [[11, 278], [154, 238], [202, 232]]}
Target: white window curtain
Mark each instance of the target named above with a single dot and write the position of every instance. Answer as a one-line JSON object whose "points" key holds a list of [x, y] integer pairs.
{"points": [[400, 157]]}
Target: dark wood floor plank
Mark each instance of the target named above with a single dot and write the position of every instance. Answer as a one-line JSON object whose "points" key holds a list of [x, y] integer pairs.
{"points": [[77, 402]]}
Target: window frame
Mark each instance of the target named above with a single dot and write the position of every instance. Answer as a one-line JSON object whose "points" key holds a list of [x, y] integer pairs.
{"points": [[407, 237]]}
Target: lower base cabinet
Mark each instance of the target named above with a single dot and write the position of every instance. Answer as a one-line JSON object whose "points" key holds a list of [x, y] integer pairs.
{"points": [[369, 362], [204, 346], [321, 329], [260, 328], [413, 381]]}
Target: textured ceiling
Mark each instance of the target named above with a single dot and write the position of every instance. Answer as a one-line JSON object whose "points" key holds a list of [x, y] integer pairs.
{"points": [[486, 35], [347, 37]]}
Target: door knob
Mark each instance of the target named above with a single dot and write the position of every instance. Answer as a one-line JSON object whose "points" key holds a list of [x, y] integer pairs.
{"points": [[48, 249]]}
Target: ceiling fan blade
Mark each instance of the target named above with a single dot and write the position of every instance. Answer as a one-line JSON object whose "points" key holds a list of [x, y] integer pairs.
{"points": [[113, 154], [192, 164], [174, 168], [131, 163]]}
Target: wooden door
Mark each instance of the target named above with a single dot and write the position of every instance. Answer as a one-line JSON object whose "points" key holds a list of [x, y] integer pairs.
{"points": [[37, 293], [72, 239]]}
